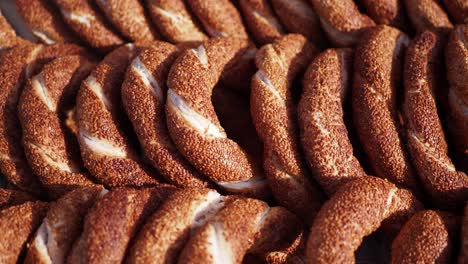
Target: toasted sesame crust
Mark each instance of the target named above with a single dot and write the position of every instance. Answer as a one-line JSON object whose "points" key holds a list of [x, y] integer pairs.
{"points": [[463, 257], [144, 100], [113, 221], [52, 152], [17, 224], [261, 21], [388, 12], [61, 226], [9, 37], [424, 132], [356, 210], [194, 125], [377, 78], [220, 18], [291, 254], [173, 20], [12, 197], [298, 16], [128, 16], [324, 136], [44, 21], [105, 149], [274, 117], [83, 17], [458, 10], [427, 15], [428, 237], [227, 237], [342, 21]]}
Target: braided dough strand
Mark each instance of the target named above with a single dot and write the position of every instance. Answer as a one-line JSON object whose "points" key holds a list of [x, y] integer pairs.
{"points": [[13, 197], [388, 12], [274, 117], [428, 15], [194, 125], [324, 135]]}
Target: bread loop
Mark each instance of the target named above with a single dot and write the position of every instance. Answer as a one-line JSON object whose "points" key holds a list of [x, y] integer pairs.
{"points": [[173, 20], [428, 237], [17, 224], [44, 21], [83, 18], [274, 116], [18, 64], [51, 150], [194, 125], [428, 15], [424, 131], [261, 21], [356, 210], [298, 16], [144, 95], [105, 148], [129, 18], [113, 221], [12, 197], [377, 79], [387, 12], [61, 226], [324, 135], [458, 10], [342, 21]]}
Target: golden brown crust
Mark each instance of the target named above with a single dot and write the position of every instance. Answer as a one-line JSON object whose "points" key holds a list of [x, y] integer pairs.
{"points": [[84, 19], [52, 152], [174, 21], [129, 17], [342, 21], [388, 12], [325, 140], [274, 117], [377, 77], [113, 221], [298, 16], [12, 197], [44, 21], [463, 256], [9, 37], [61, 226], [458, 10], [144, 96], [220, 18], [105, 149], [356, 210], [424, 131], [427, 15], [17, 224], [261, 21], [428, 237], [194, 125]]}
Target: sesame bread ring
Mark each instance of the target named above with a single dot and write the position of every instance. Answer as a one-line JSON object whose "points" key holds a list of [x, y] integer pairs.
{"points": [[427, 15], [174, 21], [456, 61], [388, 12], [44, 21], [194, 126], [12, 197], [220, 18], [52, 152], [18, 223], [261, 21], [128, 16], [298, 16], [458, 9], [424, 131], [428, 237], [9, 37], [356, 210], [165, 233], [105, 149], [17, 65], [377, 76], [342, 21], [113, 221], [274, 116], [324, 136], [61, 226], [143, 97], [463, 257], [85, 20]]}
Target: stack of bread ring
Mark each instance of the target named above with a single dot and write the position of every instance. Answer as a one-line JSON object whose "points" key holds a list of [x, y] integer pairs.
{"points": [[233, 131]]}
